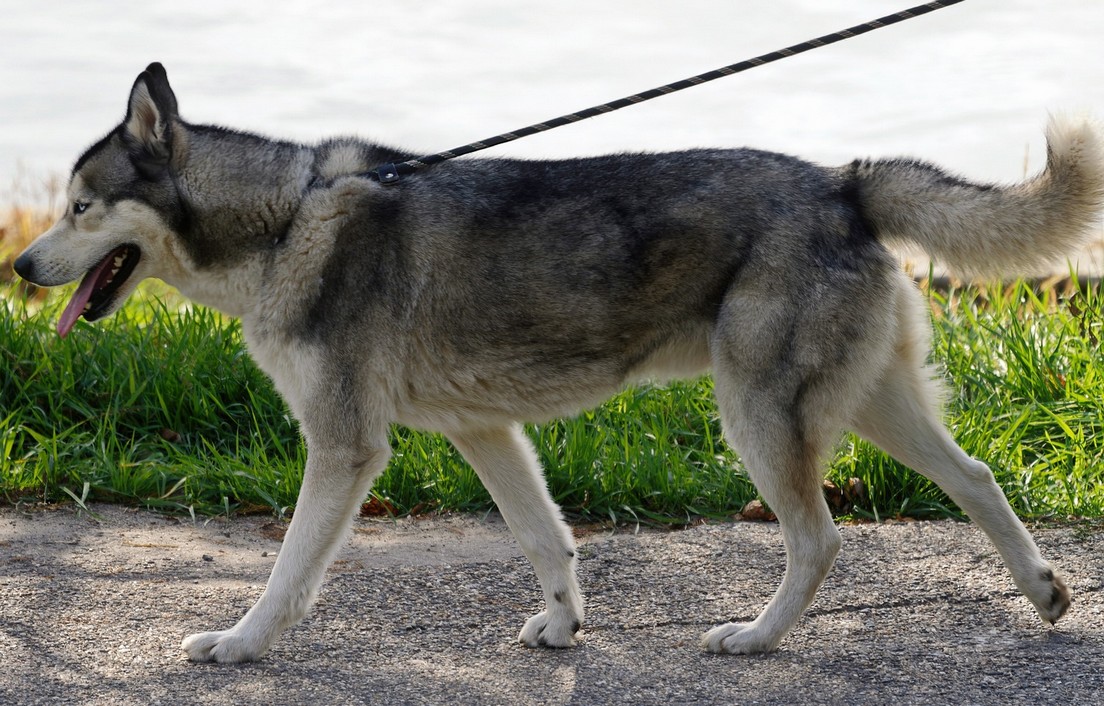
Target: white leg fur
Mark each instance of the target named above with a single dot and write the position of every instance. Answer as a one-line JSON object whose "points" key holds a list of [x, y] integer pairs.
{"points": [[789, 479], [334, 485], [507, 465], [787, 374], [900, 419]]}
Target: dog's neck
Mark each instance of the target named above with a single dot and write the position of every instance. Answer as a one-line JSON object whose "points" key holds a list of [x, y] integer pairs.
{"points": [[239, 204], [241, 194]]}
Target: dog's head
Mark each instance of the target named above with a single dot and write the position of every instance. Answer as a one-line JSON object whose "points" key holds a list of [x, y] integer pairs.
{"points": [[123, 209]]}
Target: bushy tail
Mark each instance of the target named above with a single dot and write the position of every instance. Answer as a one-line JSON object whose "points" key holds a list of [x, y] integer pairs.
{"points": [[984, 230]]}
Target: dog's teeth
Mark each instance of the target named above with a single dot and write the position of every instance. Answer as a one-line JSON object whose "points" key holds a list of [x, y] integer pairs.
{"points": [[119, 260], [114, 272]]}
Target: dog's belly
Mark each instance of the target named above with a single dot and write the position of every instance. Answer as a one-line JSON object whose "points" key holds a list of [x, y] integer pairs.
{"points": [[496, 390]]}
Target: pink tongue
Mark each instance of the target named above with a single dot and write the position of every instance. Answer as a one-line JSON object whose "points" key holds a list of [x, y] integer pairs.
{"points": [[84, 292]]}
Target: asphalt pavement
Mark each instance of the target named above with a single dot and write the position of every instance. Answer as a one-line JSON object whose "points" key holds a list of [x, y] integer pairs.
{"points": [[426, 611]]}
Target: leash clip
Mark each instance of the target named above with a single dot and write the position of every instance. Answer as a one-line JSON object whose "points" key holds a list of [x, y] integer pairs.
{"points": [[388, 173]]}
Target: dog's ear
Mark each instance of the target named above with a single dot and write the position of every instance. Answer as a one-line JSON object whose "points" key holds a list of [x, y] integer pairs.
{"points": [[148, 126]]}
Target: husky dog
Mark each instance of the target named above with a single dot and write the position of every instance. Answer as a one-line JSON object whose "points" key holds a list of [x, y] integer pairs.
{"points": [[483, 293]]}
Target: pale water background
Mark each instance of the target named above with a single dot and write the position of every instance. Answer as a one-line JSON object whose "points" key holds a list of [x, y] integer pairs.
{"points": [[968, 86]]}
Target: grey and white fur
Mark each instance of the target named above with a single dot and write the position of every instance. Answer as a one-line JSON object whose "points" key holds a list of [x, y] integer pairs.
{"points": [[483, 293]]}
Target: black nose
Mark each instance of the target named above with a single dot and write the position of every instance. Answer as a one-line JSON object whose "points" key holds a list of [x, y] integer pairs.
{"points": [[24, 267]]}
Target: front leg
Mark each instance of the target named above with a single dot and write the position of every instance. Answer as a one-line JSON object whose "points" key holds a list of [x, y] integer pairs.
{"points": [[334, 485], [505, 461]]}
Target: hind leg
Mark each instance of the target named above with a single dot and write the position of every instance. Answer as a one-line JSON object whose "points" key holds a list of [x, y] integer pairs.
{"points": [[788, 372], [783, 459], [507, 465], [901, 418]]}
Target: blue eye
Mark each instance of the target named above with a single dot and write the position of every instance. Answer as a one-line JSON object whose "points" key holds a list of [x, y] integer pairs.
{"points": [[79, 207]]}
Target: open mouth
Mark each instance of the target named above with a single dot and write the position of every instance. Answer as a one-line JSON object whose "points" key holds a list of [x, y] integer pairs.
{"points": [[96, 293]]}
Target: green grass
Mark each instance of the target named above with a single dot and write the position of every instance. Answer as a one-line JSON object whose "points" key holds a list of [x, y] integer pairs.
{"points": [[162, 407]]}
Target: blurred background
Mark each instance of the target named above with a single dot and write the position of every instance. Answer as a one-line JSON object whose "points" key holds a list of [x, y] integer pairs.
{"points": [[968, 86]]}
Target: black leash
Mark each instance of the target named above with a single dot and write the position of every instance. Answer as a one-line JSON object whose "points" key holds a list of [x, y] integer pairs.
{"points": [[391, 173]]}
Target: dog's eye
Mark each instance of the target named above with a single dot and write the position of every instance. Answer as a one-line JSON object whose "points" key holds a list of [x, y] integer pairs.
{"points": [[79, 207]]}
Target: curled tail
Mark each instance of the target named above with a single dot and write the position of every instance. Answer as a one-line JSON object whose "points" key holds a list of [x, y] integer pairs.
{"points": [[984, 230]]}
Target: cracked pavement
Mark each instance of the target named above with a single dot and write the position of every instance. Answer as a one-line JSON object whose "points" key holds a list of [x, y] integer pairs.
{"points": [[427, 611]]}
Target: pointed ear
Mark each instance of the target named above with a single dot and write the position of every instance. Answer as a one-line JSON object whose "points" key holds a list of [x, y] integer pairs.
{"points": [[148, 126]]}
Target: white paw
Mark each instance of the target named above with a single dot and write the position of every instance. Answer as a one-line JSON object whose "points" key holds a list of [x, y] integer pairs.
{"points": [[545, 630], [225, 647], [737, 639], [1049, 593]]}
